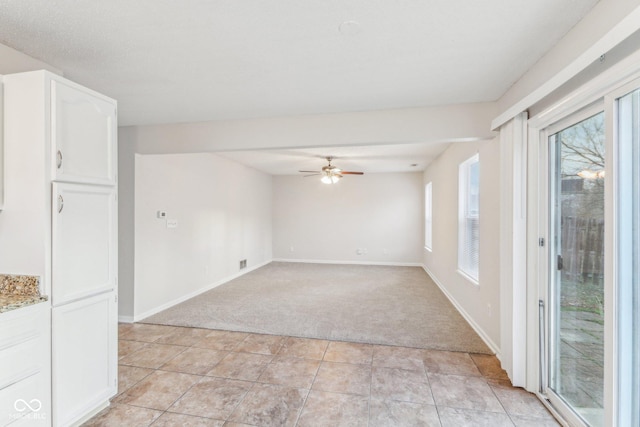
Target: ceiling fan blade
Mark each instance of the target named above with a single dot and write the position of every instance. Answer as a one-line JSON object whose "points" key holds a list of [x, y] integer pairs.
{"points": [[351, 173], [309, 171], [313, 174]]}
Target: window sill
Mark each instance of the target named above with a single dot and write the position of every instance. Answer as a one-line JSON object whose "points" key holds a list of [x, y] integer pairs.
{"points": [[469, 278]]}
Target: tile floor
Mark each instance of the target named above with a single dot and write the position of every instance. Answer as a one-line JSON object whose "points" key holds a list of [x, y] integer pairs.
{"points": [[170, 376]]}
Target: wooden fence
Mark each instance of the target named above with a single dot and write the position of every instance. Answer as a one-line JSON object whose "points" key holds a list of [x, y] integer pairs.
{"points": [[582, 248]]}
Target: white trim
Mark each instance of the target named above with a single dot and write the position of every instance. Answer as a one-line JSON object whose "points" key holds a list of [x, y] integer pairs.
{"points": [[585, 102], [619, 404], [464, 244], [468, 278], [552, 409], [624, 29], [428, 215], [86, 417], [513, 253], [483, 335], [138, 318], [125, 319], [325, 261], [620, 74]]}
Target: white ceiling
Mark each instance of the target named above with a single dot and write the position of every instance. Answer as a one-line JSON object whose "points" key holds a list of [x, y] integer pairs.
{"points": [[169, 61], [367, 159]]}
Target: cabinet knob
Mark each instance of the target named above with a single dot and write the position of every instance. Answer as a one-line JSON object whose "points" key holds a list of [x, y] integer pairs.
{"points": [[60, 203], [59, 159]]}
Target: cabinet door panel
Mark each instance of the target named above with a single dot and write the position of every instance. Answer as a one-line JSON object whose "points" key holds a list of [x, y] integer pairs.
{"points": [[84, 133], [84, 356], [84, 239]]}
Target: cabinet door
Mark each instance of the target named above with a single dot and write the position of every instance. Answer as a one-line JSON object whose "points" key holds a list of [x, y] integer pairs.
{"points": [[84, 134], [84, 241], [84, 356]]}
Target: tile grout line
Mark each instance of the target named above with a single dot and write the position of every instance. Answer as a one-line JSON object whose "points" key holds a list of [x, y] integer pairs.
{"points": [[500, 401], [433, 396], [312, 382], [159, 369], [255, 382], [185, 392], [373, 349], [252, 382]]}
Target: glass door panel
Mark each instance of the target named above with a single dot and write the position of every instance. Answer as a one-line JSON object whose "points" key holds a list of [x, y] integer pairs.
{"points": [[576, 303], [628, 258]]}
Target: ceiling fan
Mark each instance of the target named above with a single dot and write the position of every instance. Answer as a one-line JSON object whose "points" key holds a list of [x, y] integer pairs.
{"points": [[330, 174]]}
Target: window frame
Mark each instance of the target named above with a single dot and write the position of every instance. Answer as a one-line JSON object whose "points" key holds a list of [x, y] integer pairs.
{"points": [[428, 216], [465, 193]]}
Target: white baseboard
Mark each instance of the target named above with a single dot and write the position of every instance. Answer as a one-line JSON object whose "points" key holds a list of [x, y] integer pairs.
{"points": [[125, 319], [137, 318], [488, 341], [90, 414], [324, 261]]}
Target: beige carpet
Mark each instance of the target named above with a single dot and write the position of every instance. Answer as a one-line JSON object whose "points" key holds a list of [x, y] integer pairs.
{"points": [[371, 304]]}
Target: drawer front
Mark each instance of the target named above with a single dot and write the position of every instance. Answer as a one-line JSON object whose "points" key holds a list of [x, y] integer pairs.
{"points": [[23, 324], [25, 403], [25, 359]]}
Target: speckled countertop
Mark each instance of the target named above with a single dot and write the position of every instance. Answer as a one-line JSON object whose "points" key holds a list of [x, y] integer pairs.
{"points": [[19, 291]]}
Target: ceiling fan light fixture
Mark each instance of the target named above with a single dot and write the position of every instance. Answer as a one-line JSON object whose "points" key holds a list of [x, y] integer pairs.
{"points": [[330, 178], [329, 173]]}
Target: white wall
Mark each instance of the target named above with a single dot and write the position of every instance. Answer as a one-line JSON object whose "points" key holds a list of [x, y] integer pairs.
{"points": [[126, 223], [481, 303], [376, 212], [223, 211], [13, 61]]}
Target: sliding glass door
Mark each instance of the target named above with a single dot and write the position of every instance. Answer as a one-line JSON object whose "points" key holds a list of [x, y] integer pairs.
{"points": [[589, 261], [576, 273], [626, 111]]}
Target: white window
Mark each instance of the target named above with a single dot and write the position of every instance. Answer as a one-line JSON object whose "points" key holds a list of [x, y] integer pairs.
{"points": [[427, 216], [468, 217]]}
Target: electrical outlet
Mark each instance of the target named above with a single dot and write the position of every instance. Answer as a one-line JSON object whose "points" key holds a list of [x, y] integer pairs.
{"points": [[243, 264]]}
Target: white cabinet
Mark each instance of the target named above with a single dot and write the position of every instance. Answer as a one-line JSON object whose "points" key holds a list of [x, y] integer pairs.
{"points": [[25, 377], [84, 339], [83, 135], [61, 217], [1, 146], [84, 225]]}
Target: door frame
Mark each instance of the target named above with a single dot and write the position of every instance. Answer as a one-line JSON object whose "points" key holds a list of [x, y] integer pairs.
{"points": [[603, 89], [546, 193]]}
